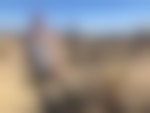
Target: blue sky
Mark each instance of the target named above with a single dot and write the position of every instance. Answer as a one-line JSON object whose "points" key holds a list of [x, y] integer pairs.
{"points": [[91, 15]]}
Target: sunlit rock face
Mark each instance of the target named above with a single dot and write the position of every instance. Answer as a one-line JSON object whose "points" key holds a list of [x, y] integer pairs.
{"points": [[87, 77], [18, 93], [133, 91]]}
